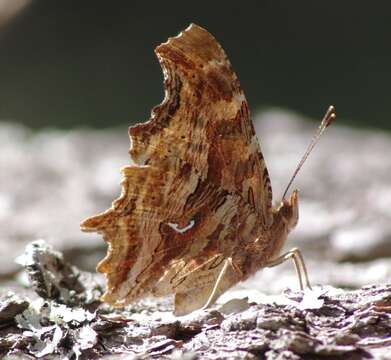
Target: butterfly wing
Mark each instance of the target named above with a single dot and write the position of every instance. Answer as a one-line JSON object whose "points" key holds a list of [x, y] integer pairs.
{"points": [[193, 284], [198, 183]]}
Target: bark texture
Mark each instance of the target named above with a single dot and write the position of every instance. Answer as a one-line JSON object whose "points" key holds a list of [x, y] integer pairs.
{"points": [[323, 323]]}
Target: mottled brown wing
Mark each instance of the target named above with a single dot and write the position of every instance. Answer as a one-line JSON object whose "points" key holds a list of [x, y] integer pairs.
{"points": [[198, 180]]}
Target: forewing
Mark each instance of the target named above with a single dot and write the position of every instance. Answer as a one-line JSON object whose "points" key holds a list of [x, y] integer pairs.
{"points": [[198, 183]]}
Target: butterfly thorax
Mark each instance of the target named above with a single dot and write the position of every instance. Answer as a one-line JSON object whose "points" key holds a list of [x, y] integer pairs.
{"points": [[268, 245]]}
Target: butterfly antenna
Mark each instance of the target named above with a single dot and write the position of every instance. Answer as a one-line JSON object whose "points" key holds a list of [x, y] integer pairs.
{"points": [[328, 118]]}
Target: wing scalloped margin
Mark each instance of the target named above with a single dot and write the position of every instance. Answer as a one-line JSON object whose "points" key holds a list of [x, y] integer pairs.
{"points": [[200, 134]]}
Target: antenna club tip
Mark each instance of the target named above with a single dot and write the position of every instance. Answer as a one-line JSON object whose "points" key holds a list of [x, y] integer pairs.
{"points": [[330, 116]]}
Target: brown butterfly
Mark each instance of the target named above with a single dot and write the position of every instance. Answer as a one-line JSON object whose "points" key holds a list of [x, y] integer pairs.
{"points": [[195, 215]]}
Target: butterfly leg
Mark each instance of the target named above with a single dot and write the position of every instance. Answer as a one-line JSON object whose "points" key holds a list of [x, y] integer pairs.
{"points": [[211, 298], [215, 291], [298, 261], [199, 287], [178, 278]]}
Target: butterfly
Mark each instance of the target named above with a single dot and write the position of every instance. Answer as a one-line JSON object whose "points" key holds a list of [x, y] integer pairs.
{"points": [[195, 215]]}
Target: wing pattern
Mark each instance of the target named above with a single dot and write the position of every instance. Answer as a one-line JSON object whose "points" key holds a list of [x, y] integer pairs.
{"points": [[198, 182]]}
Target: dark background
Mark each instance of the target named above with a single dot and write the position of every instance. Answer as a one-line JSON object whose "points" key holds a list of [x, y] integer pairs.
{"points": [[91, 63]]}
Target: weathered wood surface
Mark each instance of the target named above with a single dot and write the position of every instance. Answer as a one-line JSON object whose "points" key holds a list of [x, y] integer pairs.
{"points": [[66, 320]]}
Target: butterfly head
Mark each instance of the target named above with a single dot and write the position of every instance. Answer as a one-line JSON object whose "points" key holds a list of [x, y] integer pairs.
{"points": [[285, 218], [288, 211]]}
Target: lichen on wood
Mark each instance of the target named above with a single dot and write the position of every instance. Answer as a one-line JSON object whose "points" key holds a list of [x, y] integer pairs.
{"points": [[325, 322]]}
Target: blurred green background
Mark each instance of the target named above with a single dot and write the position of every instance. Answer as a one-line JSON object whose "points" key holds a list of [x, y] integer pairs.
{"points": [[91, 63]]}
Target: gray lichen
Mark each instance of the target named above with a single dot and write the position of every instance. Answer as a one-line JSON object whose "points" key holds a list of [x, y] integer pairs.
{"points": [[324, 322]]}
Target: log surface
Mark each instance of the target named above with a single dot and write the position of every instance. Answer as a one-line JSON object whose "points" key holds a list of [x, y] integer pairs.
{"points": [[323, 323]]}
